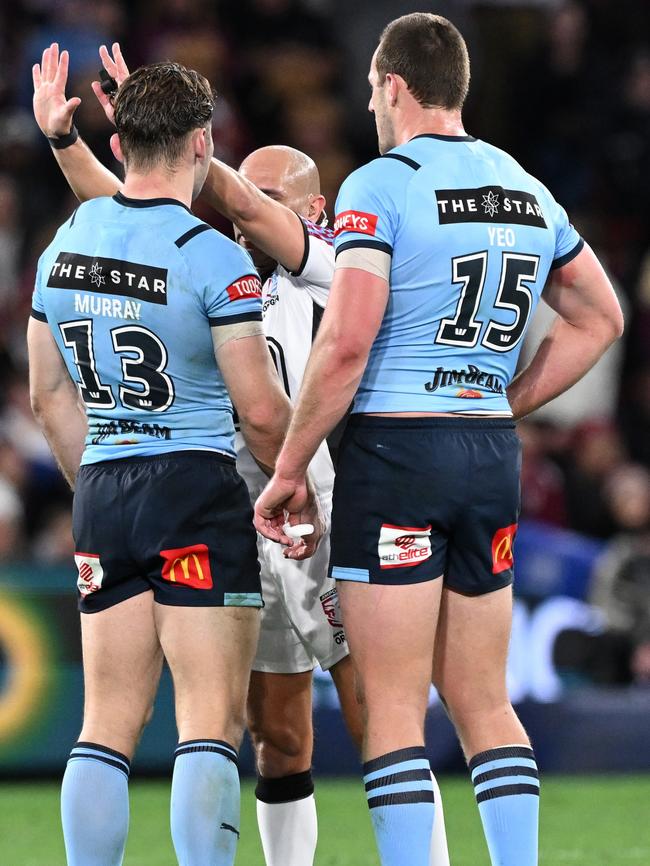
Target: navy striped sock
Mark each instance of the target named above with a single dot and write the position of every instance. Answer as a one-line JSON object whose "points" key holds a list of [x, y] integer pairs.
{"points": [[400, 797], [506, 784], [95, 805]]}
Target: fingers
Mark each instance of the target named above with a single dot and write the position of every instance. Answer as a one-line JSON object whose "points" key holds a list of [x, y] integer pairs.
{"points": [[104, 101], [72, 105], [120, 64], [36, 76], [107, 61], [61, 75]]}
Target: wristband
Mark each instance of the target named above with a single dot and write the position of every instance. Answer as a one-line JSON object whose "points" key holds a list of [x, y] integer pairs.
{"points": [[63, 141]]}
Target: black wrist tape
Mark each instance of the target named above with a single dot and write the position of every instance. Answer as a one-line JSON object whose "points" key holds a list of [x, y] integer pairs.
{"points": [[63, 141]]}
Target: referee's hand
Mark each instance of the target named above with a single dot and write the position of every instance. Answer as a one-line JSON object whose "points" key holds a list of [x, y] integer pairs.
{"points": [[53, 112], [117, 69], [295, 502]]}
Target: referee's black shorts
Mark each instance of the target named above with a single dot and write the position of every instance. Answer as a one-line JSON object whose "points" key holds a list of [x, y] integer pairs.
{"points": [[179, 523], [417, 498]]}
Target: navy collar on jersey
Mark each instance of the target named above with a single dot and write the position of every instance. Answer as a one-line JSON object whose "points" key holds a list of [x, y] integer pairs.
{"points": [[444, 137], [147, 202]]}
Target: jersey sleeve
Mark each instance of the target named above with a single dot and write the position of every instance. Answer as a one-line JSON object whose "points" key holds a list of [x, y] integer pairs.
{"points": [[366, 210], [232, 290], [568, 242], [317, 267], [38, 307]]}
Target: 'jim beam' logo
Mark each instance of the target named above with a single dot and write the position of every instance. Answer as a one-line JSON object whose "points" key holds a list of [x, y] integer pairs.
{"points": [[109, 277], [489, 204]]}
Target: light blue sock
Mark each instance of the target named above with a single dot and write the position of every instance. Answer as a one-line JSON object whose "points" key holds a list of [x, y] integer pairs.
{"points": [[95, 806], [400, 796], [205, 803], [506, 783]]}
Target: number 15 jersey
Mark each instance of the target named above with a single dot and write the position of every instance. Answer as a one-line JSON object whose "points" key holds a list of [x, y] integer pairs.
{"points": [[466, 239]]}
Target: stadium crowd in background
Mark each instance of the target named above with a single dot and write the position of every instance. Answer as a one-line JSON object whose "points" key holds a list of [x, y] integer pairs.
{"points": [[290, 71]]}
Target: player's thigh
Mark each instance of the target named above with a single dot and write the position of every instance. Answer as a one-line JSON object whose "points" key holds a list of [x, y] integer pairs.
{"points": [[122, 661], [471, 650], [280, 722], [391, 632], [209, 651]]}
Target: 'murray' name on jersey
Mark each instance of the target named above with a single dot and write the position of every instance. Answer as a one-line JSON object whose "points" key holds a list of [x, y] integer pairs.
{"points": [[489, 204], [109, 276]]}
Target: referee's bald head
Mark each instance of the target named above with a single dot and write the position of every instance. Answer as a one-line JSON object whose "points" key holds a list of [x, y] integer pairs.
{"points": [[287, 175]]}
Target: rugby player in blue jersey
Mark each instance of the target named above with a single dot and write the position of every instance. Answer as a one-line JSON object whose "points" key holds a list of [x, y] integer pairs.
{"points": [[444, 246], [146, 324]]}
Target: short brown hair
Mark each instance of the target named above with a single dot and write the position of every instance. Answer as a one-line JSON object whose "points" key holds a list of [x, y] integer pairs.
{"points": [[156, 107], [429, 53]]}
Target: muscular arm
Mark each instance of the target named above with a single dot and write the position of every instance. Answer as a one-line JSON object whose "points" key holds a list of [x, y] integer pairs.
{"points": [[589, 320], [85, 174], [269, 225], [55, 400], [338, 358], [255, 390]]}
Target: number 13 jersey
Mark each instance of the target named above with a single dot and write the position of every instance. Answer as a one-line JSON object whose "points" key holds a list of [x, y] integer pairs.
{"points": [[130, 289], [466, 239]]}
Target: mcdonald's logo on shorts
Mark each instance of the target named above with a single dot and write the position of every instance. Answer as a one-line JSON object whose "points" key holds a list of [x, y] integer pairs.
{"points": [[502, 548], [188, 566]]}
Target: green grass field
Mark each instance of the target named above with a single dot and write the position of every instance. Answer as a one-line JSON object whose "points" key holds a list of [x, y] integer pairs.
{"points": [[600, 821]]}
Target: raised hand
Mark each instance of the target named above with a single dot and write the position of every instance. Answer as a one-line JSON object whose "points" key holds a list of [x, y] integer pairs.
{"points": [[53, 112], [117, 69]]}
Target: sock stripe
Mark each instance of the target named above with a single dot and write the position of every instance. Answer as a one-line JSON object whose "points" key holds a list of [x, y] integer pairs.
{"points": [[400, 798], [83, 756], [500, 772], [419, 764], [396, 757], [222, 743], [396, 778], [506, 791], [104, 749], [500, 754], [214, 746]]}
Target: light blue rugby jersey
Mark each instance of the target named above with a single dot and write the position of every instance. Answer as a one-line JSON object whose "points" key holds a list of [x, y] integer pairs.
{"points": [[130, 288], [472, 238]]}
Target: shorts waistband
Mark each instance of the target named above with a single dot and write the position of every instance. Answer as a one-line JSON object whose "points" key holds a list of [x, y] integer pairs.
{"points": [[433, 422], [165, 456]]}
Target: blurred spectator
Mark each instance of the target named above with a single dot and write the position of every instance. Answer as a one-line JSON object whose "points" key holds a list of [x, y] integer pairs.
{"points": [[621, 590], [543, 495], [11, 512], [597, 451]]}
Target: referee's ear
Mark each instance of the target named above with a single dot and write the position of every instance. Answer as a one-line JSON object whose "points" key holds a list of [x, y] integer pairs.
{"points": [[316, 207], [116, 148]]}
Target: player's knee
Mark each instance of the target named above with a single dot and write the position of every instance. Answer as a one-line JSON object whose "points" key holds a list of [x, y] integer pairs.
{"points": [[280, 749]]}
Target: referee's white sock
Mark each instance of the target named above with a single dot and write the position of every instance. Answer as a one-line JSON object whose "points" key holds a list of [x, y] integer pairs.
{"points": [[439, 849], [286, 818]]}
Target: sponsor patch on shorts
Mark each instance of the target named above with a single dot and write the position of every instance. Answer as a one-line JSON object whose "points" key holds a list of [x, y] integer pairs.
{"points": [[401, 546], [332, 608], [187, 566], [91, 573], [502, 548]]}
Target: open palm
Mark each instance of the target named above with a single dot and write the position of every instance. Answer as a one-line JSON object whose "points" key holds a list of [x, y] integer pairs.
{"points": [[53, 112]]}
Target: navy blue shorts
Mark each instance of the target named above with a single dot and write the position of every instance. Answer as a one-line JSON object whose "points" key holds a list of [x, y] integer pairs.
{"points": [[179, 523], [416, 498]]}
